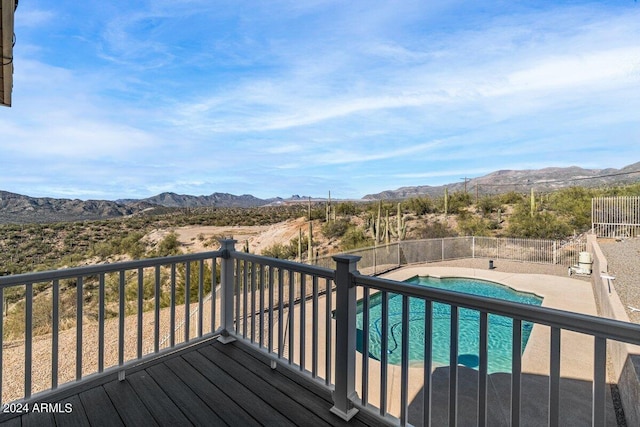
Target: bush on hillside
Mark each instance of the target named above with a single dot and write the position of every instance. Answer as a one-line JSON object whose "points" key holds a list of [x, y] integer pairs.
{"points": [[420, 205], [435, 230], [335, 229], [542, 225], [354, 238]]}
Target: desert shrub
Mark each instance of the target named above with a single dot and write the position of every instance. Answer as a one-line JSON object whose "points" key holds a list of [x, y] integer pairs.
{"points": [[474, 226], [354, 238], [288, 251], [575, 204], [420, 205], [542, 225], [169, 245], [510, 198], [103, 250], [346, 208], [334, 229], [133, 245], [194, 281], [488, 204], [434, 230], [317, 213], [458, 201], [277, 250], [626, 190]]}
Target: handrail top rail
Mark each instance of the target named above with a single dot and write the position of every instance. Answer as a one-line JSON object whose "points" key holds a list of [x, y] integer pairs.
{"points": [[313, 270], [72, 272], [582, 323]]}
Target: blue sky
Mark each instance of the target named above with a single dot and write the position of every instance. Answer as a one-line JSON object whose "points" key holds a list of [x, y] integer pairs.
{"points": [[128, 99]]}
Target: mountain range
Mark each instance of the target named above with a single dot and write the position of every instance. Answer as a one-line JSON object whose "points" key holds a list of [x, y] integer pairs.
{"points": [[542, 180], [16, 208]]}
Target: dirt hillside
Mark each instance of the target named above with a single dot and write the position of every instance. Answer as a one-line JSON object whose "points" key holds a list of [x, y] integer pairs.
{"points": [[259, 237]]}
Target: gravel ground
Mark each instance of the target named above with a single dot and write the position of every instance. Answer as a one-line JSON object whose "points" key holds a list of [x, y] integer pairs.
{"points": [[623, 258], [13, 353]]}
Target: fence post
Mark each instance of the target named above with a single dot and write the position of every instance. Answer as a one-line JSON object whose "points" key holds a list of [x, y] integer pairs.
{"points": [[226, 287], [555, 252], [375, 259], [345, 375], [473, 246]]}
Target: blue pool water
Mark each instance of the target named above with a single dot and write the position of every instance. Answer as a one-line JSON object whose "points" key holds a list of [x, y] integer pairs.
{"points": [[500, 328]]}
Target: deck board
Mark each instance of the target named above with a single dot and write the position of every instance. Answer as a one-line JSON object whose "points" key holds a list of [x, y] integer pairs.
{"points": [[288, 404], [225, 408], [207, 384], [302, 394], [76, 418], [261, 410], [38, 419], [164, 410], [191, 405], [123, 396], [99, 408]]}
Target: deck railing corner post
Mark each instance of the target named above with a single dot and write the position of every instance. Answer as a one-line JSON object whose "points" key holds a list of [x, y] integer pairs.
{"points": [[227, 246], [345, 363]]}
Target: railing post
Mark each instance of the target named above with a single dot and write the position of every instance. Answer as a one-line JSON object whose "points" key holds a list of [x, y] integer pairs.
{"points": [[226, 287], [345, 365]]}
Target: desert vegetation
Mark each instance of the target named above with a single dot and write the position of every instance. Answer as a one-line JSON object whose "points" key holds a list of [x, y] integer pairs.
{"points": [[322, 228], [335, 226]]}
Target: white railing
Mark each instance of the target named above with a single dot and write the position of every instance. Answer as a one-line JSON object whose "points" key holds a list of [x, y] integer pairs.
{"points": [[379, 259], [301, 316], [178, 333], [282, 308], [88, 320], [615, 216], [348, 399]]}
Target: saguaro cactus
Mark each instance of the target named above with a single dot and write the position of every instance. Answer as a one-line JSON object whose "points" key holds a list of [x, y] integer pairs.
{"points": [[387, 238], [533, 202], [401, 226], [446, 201], [377, 236], [327, 208], [310, 254]]}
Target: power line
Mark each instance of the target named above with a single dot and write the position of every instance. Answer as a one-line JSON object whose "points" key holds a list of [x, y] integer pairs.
{"points": [[559, 180]]}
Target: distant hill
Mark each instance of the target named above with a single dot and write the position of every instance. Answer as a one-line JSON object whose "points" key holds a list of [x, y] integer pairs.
{"points": [[173, 200], [16, 208], [547, 179]]}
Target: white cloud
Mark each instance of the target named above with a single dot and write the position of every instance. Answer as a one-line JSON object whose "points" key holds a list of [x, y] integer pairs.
{"points": [[29, 18], [294, 93]]}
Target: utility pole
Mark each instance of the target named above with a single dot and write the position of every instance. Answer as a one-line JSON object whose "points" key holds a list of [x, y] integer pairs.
{"points": [[476, 193], [465, 183]]}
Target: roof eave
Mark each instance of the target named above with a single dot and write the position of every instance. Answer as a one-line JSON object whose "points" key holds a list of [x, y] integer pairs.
{"points": [[6, 45]]}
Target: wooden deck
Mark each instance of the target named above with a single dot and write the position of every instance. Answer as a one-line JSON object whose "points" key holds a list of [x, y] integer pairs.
{"points": [[208, 384]]}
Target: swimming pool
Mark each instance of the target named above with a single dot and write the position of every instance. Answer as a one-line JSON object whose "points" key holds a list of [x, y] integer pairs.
{"points": [[500, 328]]}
